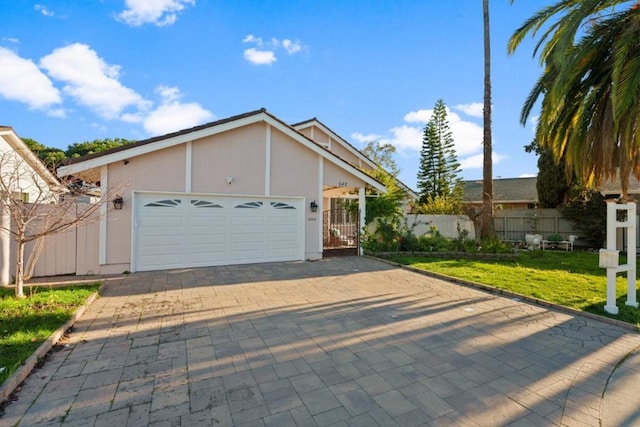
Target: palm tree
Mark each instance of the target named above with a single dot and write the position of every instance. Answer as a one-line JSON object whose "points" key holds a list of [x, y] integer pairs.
{"points": [[487, 229], [590, 86]]}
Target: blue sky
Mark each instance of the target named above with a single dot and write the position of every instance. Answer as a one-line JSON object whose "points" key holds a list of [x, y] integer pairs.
{"points": [[81, 70]]}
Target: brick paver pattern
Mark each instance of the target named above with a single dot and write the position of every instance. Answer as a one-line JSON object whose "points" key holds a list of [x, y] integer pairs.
{"points": [[343, 341]]}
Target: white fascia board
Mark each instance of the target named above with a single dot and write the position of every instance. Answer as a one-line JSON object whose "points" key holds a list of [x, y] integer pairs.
{"points": [[340, 140], [157, 145], [351, 149], [324, 153], [29, 156]]}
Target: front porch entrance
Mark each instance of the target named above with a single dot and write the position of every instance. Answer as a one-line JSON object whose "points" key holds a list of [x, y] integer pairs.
{"points": [[340, 232]]}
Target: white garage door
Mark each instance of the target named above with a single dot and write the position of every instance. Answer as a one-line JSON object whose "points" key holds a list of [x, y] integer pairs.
{"points": [[178, 230]]}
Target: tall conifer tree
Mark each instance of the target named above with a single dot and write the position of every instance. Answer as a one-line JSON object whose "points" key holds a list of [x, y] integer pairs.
{"points": [[439, 167]]}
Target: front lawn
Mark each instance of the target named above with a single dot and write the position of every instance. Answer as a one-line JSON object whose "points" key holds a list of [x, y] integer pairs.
{"points": [[27, 323], [571, 279]]}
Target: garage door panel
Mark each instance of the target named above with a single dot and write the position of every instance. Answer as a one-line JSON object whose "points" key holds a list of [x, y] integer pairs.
{"points": [[247, 256], [282, 239], [283, 220], [161, 221], [207, 239], [195, 230], [203, 221]]}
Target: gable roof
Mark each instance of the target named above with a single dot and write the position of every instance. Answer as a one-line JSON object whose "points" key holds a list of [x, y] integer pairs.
{"points": [[506, 190], [92, 161], [315, 122], [17, 144]]}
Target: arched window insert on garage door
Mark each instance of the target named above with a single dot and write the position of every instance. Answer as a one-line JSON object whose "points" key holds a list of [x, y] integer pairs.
{"points": [[166, 203], [281, 205], [249, 205], [204, 204]]}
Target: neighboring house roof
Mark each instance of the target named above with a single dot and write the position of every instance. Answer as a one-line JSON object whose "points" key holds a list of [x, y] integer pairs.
{"points": [[17, 144], [507, 190], [317, 123], [613, 187], [124, 152]]}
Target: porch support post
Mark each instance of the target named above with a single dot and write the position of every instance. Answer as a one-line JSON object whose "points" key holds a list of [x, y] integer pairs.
{"points": [[5, 245], [362, 210]]}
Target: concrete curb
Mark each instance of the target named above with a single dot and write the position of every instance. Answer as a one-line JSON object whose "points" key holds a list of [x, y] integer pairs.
{"points": [[27, 367], [506, 293]]}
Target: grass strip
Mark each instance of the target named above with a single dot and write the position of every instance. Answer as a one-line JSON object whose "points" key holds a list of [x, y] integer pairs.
{"points": [[27, 323], [571, 279]]}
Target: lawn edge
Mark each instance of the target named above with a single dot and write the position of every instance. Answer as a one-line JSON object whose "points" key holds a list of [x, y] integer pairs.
{"points": [[504, 292], [28, 366]]}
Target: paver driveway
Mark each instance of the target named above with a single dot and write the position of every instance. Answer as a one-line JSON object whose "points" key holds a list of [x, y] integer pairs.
{"points": [[343, 341]]}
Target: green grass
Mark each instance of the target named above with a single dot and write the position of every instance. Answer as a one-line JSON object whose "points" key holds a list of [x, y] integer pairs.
{"points": [[27, 323], [571, 279]]}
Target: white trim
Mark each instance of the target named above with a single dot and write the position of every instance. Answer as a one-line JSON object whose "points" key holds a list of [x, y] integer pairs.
{"points": [[267, 163], [320, 202], [362, 158], [362, 205], [338, 139], [188, 159], [134, 225], [325, 153], [29, 156], [158, 145], [104, 189]]}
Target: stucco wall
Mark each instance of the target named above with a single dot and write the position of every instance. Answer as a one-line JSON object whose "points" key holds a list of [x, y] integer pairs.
{"points": [[295, 172], [239, 154], [162, 170]]}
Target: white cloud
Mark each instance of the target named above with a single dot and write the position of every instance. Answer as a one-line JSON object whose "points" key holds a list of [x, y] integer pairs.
{"points": [[157, 12], [264, 52], [364, 139], [43, 10], [467, 135], [10, 40], [173, 115], [91, 81], [260, 57], [407, 137], [475, 161], [404, 137], [250, 38], [21, 80], [533, 122], [475, 109], [528, 175], [291, 47]]}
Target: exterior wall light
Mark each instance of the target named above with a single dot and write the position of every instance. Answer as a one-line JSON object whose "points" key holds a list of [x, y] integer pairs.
{"points": [[313, 206], [117, 203]]}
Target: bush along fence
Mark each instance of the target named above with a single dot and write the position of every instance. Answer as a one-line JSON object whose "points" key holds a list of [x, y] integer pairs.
{"points": [[456, 233]]}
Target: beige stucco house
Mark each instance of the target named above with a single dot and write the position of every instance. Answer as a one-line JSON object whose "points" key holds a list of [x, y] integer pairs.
{"points": [[25, 178], [238, 190]]}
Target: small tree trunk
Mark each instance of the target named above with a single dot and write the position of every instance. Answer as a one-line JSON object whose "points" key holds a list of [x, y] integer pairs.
{"points": [[19, 270]]}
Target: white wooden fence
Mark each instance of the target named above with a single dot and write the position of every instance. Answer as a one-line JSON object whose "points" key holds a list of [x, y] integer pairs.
{"points": [[73, 251]]}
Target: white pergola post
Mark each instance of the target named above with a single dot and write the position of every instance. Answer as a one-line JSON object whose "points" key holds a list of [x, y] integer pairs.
{"points": [[362, 211], [609, 257]]}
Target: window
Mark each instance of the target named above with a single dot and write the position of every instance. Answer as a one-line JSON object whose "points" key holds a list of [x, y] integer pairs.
{"points": [[23, 197]]}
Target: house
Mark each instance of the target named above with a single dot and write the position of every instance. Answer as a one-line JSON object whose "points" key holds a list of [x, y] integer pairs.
{"points": [[27, 179], [508, 193], [244, 189]]}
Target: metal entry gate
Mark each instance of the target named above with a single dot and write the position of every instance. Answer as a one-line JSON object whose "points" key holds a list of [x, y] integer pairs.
{"points": [[340, 232]]}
